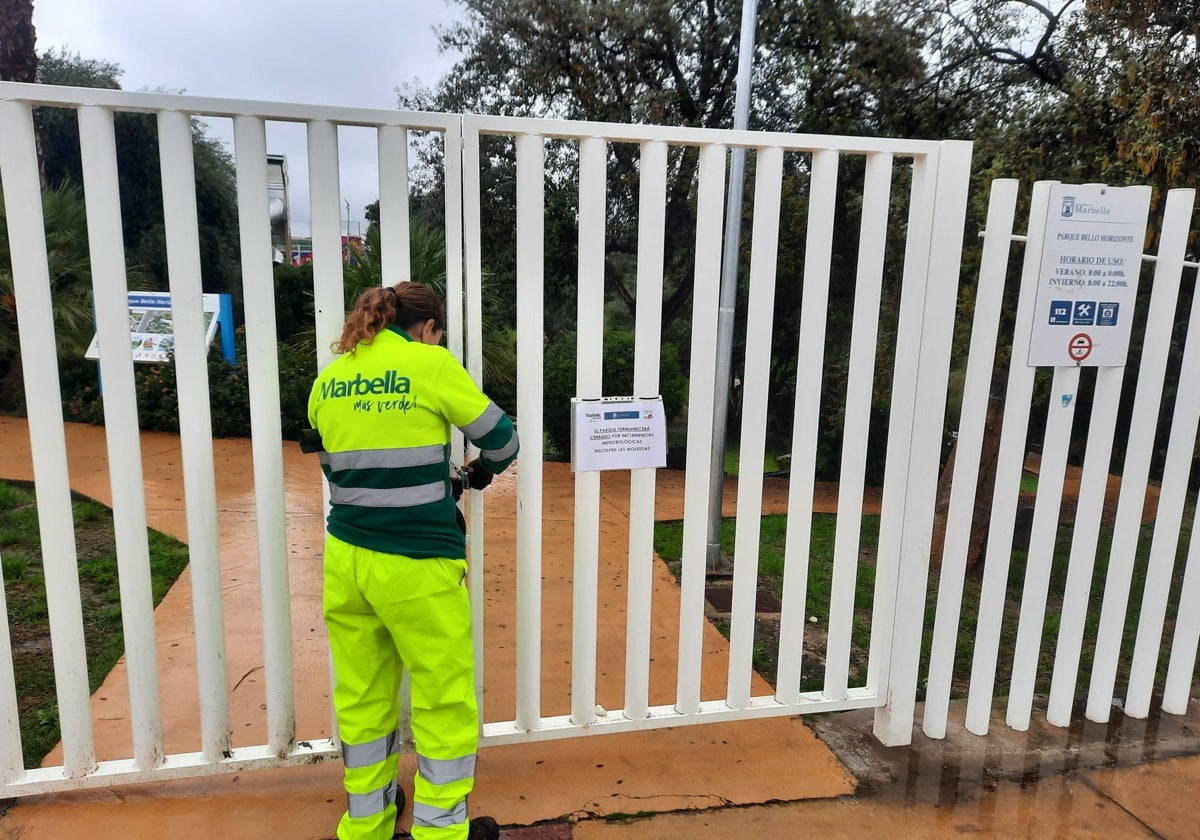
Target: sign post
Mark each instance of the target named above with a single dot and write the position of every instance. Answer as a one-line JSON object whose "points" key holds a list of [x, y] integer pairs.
{"points": [[1088, 276]]}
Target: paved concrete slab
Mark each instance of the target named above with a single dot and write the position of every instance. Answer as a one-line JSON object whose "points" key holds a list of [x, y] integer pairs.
{"points": [[1063, 809], [1162, 796]]}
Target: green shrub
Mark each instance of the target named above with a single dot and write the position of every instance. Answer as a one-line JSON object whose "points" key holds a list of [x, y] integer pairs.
{"points": [[559, 383], [229, 393]]}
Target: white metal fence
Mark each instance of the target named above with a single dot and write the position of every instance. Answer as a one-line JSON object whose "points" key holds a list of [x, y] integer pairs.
{"points": [[919, 187], [1166, 581]]}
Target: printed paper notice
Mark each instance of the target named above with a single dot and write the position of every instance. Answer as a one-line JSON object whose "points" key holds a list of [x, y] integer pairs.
{"points": [[618, 434], [1088, 277]]}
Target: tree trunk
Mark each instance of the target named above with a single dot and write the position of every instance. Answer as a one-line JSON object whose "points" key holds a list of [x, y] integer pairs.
{"points": [[10, 382], [18, 42], [981, 511], [18, 55]]}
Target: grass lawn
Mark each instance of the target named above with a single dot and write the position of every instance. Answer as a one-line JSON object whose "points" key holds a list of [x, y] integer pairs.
{"points": [[733, 461], [25, 590], [668, 539]]}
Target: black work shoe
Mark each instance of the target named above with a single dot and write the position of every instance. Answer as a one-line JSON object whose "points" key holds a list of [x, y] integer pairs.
{"points": [[483, 828]]}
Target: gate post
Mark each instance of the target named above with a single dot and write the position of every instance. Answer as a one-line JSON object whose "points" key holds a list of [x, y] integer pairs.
{"points": [[898, 684]]}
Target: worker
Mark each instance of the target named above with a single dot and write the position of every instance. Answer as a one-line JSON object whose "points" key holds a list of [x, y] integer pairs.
{"points": [[395, 559]]}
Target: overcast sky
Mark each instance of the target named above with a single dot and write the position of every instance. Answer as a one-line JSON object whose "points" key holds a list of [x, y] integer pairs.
{"points": [[352, 52]]}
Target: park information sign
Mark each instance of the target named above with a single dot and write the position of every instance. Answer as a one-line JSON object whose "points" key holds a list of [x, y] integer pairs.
{"points": [[618, 434], [152, 331], [1088, 279]]}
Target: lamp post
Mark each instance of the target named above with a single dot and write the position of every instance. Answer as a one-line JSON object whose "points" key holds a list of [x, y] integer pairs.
{"points": [[728, 300]]}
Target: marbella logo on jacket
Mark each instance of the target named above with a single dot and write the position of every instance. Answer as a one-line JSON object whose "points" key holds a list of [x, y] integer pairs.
{"points": [[362, 386]]}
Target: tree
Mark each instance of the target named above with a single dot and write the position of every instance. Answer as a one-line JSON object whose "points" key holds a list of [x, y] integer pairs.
{"points": [[18, 41], [826, 66], [70, 283], [141, 178], [427, 259], [18, 54]]}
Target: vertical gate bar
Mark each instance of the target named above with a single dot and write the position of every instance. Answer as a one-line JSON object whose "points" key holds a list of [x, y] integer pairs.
{"points": [[469, 169], [262, 358], [894, 722], [859, 390], [760, 310], [652, 209], [1173, 492], [452, 172], [394, 248], [710, 205], [531, 225], [12, 765], [593, 155], [1064, 390], [1085, 536], [810, 359], [1178, 687], [47, 438], [106, 244], [329, 304], [989, 299], [1136, 470], [1009, 464], [452, 160], [325, 209], [195, 425], [895, 478]]}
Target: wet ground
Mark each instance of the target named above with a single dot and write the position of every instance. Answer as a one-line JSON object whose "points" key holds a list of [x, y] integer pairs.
{"points": [[754, 779], [1124, 779]]}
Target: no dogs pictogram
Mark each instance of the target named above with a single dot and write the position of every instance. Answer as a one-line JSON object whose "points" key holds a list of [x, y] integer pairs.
{"points": [[1080, 347]]}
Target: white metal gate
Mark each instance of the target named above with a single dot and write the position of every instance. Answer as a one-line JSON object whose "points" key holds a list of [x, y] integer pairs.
{"points": [[935, 176]]}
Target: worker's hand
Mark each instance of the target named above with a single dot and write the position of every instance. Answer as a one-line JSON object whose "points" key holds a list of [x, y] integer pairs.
{"points": [[456, 487], [478, 476]]}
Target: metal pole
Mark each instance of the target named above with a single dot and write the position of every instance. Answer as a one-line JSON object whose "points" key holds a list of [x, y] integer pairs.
{"points": [[729, 266]]}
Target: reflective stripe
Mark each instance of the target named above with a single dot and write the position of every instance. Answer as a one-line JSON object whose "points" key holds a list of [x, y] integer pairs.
{"points": [[431, 817], [385, 497], [369, 459], [485, 423], [443, 771], [504, 452], [372, 752], [375, 802]]}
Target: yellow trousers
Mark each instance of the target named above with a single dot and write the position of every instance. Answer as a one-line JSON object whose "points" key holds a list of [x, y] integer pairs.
{"points": [[385, 612]]}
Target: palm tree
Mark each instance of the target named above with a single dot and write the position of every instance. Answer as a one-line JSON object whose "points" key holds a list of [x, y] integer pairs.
{"points": [[427, 261], [70, 284]]}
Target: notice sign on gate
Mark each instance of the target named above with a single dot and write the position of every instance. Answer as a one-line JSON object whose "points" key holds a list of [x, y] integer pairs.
{"points": [[618, 434], [1088, 277]]}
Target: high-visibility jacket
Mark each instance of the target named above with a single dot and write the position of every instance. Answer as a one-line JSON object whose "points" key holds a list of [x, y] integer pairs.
{"points": [[384, 413]]}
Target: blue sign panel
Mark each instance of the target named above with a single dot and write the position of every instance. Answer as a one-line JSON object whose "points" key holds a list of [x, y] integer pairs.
{"points": [[1060, 312], [1106, 314], [1084, 314]]}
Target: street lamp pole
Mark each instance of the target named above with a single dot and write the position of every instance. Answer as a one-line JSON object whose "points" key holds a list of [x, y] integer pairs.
{"points": [[728, 299]]}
